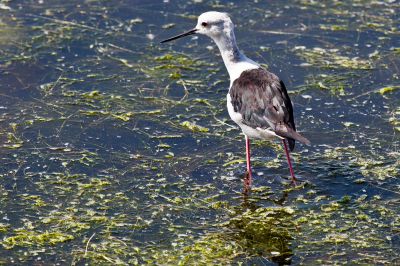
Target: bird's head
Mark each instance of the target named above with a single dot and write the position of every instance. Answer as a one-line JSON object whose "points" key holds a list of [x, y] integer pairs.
{"points": [[213, 24]]}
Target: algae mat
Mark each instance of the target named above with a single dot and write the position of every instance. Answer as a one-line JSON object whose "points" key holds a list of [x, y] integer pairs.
{"points": [[116, 150]]}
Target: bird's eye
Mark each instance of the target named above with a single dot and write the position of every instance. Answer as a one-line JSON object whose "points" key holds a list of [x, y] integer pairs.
{"points": [[204, 24]]}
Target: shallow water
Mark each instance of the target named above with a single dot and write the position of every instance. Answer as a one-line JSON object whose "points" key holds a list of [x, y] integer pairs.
{"points": [[118, 150]]}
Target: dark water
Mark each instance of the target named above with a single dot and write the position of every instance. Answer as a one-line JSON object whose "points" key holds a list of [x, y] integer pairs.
{"points": [[118, 150]]}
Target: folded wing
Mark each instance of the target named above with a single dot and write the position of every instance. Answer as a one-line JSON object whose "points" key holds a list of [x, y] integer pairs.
{"points": [[262, 100]]}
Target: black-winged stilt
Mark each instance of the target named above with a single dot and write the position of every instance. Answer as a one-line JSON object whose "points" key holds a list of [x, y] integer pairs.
{"points": [[257, 99]]}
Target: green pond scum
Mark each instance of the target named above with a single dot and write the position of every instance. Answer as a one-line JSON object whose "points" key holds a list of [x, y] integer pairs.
{"points": [[116, 150]]}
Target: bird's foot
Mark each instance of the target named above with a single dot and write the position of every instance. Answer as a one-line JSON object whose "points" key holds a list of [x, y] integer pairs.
{"points": [[298, 181], [294, 181], [247, 180]]}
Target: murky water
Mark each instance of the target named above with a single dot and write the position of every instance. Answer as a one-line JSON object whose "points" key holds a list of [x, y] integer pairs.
{"points": [[118, 150]]}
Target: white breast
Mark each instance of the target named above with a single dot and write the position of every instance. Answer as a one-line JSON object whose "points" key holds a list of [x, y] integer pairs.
{"points": [[235, 69], [235, 116]]}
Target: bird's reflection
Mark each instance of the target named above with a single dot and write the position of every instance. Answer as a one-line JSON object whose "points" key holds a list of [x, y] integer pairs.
{"points": [[263, 231]]}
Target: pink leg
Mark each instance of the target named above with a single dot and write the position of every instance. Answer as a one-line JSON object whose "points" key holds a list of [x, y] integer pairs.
{"points": [[248, 178], [289, 162]]}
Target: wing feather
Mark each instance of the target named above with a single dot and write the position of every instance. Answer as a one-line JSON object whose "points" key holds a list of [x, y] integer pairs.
{"points": [[262, 100]]}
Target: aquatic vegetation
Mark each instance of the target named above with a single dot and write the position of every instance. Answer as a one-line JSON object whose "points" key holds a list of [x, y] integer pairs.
{"points": [[171, 65], [334, 27], [27, 238], [395, 119], [378, 167], [13, 142], [194, 127], [385, 90], [118, 151], [375, 15], [336, 84], [331, 59], [342, 225], [265, 231]]}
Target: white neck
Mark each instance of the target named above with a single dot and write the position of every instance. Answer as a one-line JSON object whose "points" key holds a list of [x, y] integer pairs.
{"points": [[235, 61]]}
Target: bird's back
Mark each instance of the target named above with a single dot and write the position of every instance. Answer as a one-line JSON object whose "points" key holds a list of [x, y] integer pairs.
{"points": [[263, 102]]}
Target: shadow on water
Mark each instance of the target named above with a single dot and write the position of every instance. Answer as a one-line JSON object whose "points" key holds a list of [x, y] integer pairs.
{"points": [[116, 150]]}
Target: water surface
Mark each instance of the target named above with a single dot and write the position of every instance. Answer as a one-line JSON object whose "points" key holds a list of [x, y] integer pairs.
{"points": [[118, 150]]}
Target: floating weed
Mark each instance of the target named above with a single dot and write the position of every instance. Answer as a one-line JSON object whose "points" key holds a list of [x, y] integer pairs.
{"points": [[106, 105], [334, 27], [377, 15], [95, 184], [336, 84], [67, 221], [376, 166], [27, 238], [95, 94], [107, 249], [193, 127], [175, 75], [345, 199], [171, 65], [264, 231], [330, 58], [94, 112], [233, 162], [34, 200], [4, 227], [123, 116], [395, 119], [13, 142], [123, 61], [343, 224], [213, 248], [202, 101], [389, 89], [379, 169], [68, 81], [164, 146], [274, 163], [101, 160]]}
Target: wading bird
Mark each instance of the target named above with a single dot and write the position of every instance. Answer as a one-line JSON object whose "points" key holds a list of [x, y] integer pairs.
{"points": [[257, 99]]}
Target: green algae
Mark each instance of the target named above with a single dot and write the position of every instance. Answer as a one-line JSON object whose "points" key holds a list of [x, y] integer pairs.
{"points": [[34, 200], [380, 167], [25, 238], [332, 59], [353, 230], [96, 157], [193, 127], [172, 65], [13, 142], [376, 15], [334, 27], [263, 231], [123, 116], [4, 227], [388, 89], [336, 84], [394, 120]]}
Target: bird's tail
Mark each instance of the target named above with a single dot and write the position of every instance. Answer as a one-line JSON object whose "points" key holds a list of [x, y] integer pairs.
{"points": [[291, 135]]}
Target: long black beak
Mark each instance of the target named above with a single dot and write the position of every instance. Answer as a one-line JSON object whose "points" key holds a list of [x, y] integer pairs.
{"points": [[193, 31]]}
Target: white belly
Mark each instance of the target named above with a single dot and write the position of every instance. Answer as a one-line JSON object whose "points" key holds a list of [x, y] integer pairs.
{"points": [[259, 133]]}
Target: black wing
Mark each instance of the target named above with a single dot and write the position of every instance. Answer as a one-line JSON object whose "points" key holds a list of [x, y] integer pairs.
{"points": [[262, 100]]}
